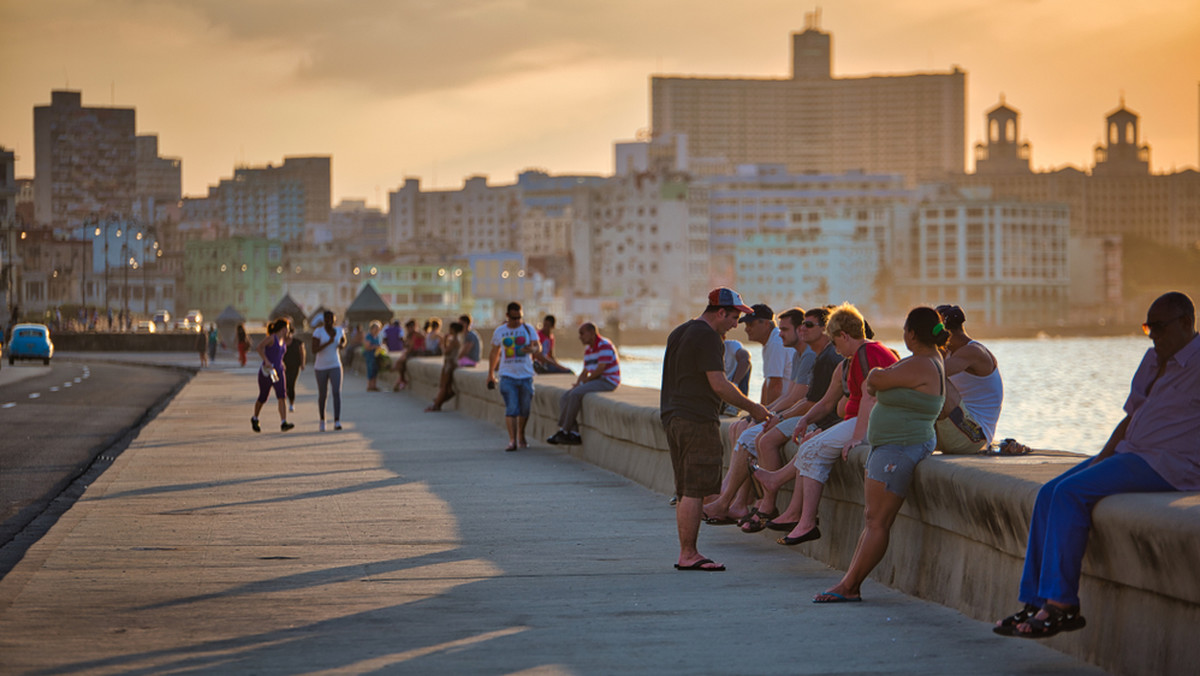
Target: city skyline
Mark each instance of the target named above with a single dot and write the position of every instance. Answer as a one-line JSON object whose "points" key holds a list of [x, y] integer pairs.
{"points": [[395, 90]]}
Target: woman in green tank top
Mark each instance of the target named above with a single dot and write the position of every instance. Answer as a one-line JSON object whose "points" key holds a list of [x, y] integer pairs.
{"points": [[908, 398]]}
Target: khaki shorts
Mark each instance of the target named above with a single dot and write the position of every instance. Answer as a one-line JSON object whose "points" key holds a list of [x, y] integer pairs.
{"points": [[959, 434], [696, 455]]}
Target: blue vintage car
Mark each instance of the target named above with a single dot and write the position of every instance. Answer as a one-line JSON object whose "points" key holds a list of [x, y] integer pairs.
{"points": [[30, 341]]}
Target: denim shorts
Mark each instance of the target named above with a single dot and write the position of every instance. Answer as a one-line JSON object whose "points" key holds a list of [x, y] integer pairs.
{"points": [[518, 396], [893, 465]]}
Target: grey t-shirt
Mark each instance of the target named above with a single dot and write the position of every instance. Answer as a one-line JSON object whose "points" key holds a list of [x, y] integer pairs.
{"points": [[802, 366]]}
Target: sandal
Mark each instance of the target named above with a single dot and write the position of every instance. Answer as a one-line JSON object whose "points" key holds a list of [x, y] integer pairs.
{"points": [[755, 521], [1058, 620], [1008, 626]]}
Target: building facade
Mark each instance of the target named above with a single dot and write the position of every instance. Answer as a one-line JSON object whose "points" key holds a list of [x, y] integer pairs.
{"points": [[85, 161], [245, 272], [911, 125]]}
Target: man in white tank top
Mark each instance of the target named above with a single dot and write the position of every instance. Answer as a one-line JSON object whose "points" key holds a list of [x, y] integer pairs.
{"points": [[976, 391]]}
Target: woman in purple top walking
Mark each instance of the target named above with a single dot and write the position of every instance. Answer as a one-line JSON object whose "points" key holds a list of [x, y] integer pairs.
{"points": [[271, 374]]}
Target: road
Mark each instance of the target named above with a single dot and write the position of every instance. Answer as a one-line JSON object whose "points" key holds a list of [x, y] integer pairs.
{"points": [[55, 420]]}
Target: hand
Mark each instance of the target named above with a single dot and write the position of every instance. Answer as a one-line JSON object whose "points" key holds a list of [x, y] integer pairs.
{"points": [[849, 445], [771, 423], [759, 413]]}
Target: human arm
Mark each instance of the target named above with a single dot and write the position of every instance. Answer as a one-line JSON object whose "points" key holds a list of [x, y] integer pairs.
{"points": [[493, 364], [730, 394], [827, 404], [303, 356], [742, 368], [771, 389], [972, 358], [1115, 438]]}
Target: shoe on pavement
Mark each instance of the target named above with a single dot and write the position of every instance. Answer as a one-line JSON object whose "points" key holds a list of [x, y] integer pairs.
{"points": [[573, 439], [321, 426], [291, 408], [285, 426], [254, 425], [560, 437], [337, 425]]}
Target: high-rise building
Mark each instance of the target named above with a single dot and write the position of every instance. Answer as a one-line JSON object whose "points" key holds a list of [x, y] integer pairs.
{"points": [[85, 161], [276, 203], [912, 125], [159, 180]]}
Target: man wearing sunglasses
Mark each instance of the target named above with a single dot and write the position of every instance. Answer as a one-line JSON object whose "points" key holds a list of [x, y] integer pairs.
{"points": [[1152, 450]]}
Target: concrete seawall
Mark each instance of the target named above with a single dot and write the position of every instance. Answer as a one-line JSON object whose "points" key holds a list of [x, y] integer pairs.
{"points": [[960, 538]]}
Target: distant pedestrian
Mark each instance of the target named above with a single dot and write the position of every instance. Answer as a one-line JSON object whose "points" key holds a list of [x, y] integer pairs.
{"points": [[327, 342], [243, 344], [202, 348], [271, 373], [469, 353], [513, 344], [293, 363], [451, 346], [213, 340], [601, 373], [546, 360], [371, 344]]}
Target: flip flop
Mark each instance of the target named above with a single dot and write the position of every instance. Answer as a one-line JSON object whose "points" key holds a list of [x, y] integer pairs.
{"points": [[720, 520], [510, 447], [700, 566], [837, 598]]}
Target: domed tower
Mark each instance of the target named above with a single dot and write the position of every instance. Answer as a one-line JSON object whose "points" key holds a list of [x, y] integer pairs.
{"points": [[1122, 153], [1002, 153]]}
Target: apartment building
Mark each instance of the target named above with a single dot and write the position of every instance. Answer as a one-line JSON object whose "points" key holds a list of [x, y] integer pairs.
{"points": [[912, 125], [85, 161]]}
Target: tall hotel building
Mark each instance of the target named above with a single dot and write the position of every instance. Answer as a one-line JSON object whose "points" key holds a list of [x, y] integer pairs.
{"points": [[912, 125], [85, 161]]}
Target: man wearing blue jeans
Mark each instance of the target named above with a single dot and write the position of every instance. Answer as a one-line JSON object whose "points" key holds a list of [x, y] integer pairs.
{"points": [[513, 344], [1152, 450]]}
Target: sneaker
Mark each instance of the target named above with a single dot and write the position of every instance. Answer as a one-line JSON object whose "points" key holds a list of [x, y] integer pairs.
{"points": [[285, 426], [337, 425], [254, 425], [291, 408], [321, 426], [573, 439], [560, 437]]}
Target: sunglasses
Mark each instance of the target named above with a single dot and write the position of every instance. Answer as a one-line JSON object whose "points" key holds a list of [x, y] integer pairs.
{"points": [[809, 324], [1159, 325]]}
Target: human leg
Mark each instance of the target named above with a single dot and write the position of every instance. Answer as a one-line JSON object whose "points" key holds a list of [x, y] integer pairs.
{"points": [[510, 392], [1069, 519], [880, 512], [696, 452], [814, 461], [290, 377], [335, 384], [525, 405], [722, 509], [322, 391], [572, 402]]}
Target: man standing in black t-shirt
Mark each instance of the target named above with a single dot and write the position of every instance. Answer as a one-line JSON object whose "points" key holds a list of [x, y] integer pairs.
{"points": [[693, 386]]}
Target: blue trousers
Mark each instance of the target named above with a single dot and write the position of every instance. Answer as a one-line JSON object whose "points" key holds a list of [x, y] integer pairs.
{"points": [[1062, 520]]}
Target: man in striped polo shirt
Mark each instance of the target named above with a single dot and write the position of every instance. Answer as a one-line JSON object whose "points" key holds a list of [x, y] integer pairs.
{"points": [[601, 373]]}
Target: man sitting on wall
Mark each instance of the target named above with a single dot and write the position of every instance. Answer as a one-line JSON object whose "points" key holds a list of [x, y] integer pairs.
{"points": [[601, 373], [1153, 449]]}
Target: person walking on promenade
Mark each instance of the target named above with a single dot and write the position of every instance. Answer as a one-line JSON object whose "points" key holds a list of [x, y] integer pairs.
{"points": [[202, 348], [513, 344], [213, 339], [371, 344], [975, 393], [327, 341], [908, 397], [1152, 450], [243, 344], [693, 387], [601, 373], [293, 363], [270, 375], [451, 347]]}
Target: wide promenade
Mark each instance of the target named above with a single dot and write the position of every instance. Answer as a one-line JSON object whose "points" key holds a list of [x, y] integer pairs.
{"points": [[411, 543]]}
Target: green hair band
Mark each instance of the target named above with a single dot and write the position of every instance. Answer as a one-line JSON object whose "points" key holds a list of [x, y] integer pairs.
{"points": [[938, 328]]}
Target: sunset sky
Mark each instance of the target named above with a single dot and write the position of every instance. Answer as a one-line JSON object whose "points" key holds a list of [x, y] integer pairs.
{"points": [[443, 89]]}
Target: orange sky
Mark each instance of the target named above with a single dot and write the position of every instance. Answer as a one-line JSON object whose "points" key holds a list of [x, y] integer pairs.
{"points": [[441, 89]]}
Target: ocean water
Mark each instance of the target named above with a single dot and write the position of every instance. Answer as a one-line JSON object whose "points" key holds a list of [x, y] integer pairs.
{"points": [[1059, 393]]}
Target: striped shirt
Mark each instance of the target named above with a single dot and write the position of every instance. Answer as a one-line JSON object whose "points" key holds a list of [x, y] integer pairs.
{"points": [[599, 353]]}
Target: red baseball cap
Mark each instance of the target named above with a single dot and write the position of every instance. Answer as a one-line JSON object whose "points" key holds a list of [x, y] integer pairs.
{"points": [[727, 297]]}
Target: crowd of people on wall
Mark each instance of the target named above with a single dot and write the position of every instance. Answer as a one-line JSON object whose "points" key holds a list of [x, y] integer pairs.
{"points": [[828, 388], [844, 390]]}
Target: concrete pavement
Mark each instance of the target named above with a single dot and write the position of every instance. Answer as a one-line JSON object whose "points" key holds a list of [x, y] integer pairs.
{"points": [[411, 543]]}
